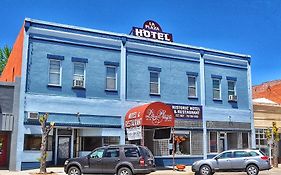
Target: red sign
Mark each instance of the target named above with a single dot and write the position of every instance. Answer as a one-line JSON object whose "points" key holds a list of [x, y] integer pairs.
{"points": [[152, 29], [154, 114]]}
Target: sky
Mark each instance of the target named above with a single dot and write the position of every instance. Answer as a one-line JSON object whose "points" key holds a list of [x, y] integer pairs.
{"points": [[251, 27]]}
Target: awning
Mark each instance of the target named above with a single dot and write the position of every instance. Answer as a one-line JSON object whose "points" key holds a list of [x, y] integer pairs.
{"points": [[71, 120], [155, 114]]}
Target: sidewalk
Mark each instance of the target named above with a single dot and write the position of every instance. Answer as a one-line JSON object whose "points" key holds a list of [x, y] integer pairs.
{"points": [[59, 171], [168, 171]]}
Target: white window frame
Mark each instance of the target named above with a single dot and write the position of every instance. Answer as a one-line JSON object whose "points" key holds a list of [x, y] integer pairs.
{"points": [[158, 73], [195, 77], [56, 72], [84, 75], [228, 90], [115, 67], [220, 97]]}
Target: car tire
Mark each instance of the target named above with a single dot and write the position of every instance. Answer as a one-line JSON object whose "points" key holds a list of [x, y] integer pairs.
{"points": [[252, 170], [205, 170], [124, 171], [74, 171]]}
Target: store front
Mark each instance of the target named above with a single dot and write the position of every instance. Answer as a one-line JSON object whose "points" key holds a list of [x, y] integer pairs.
{"points": [[150, 125]]}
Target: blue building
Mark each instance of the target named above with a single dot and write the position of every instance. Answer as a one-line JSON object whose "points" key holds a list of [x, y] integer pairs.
{"points": [[88, 79]]}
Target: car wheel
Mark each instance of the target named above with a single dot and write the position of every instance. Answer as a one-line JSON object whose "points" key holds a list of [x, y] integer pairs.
{"points": [[252, 170], [124, 171], [205, 170], [74, 171]]}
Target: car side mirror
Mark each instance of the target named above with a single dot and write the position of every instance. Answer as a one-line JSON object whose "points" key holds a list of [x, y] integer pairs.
{"points": [[216, 158]]}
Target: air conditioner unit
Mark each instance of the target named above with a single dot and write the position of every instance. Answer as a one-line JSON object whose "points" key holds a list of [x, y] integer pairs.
{"points": [[78, 83], [33, 115], [232, 98]]}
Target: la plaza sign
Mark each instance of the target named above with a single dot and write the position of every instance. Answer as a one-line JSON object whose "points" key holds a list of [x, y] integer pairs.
{"points": [[152, 29]]}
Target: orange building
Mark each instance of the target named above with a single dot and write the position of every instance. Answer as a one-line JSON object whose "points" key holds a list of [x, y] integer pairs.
{"points": [[13, 66]]}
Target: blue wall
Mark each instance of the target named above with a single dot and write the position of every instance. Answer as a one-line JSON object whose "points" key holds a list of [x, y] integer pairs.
{"points": [[241, 86], [173, 78], [95, 69]]}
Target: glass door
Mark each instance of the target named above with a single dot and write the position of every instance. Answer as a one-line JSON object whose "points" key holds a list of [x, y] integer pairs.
{"points": [[63, 149]]}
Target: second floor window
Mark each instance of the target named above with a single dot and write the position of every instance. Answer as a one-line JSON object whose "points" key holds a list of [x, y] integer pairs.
{"points": [[154, 83], [231, 88], [192, 86], [111, 78], [55, 72], [216, 89], [79, 74]]}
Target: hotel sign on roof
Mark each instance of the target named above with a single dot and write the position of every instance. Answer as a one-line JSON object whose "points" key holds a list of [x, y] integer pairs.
{"points": [[152, 29]]}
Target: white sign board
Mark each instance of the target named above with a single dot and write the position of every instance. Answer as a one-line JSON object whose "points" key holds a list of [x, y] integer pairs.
{"points": [[134, 133]]}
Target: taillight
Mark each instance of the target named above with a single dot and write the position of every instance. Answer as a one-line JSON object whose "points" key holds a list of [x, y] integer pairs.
{"points": [[264, 157], [142, 162]]}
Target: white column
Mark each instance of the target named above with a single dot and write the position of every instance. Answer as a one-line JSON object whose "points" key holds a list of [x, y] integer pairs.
{"points": [[203, 102], [20, 126], [56, 145], [72, 143], [253, 132], [123, 87]]}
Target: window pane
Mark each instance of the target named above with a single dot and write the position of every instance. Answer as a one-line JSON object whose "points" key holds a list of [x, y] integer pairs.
{"points": [[111, 152], [192, 92], [216, 94], [231, 85], [79, 69], [131, 152], [191, 81], [54, 72], [32, 142], [110, 83], [54, 66], [111, 140], [245, 141], [182, 144], [97, 154], [90, 143], [54, 78], [154, 88], [154, 77], [232, 140], [213, 142], [216, 84], [111, 72]]}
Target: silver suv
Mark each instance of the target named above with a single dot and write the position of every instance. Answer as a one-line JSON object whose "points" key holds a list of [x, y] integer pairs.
{"points": [[251, 161]]}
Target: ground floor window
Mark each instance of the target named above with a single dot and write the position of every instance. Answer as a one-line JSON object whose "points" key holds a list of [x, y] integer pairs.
{"points": [[261, 141], [213, 142], [224, 140], [182, 143], [91, 143], [33, 142]]}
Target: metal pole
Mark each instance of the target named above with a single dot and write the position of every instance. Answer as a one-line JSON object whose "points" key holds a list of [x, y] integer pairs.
{"points": [[142, 136], [173, 148]]}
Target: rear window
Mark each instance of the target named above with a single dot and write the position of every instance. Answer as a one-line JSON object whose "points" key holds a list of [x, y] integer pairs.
{"points": [[146, 152], [253, 153], [131, 152]]}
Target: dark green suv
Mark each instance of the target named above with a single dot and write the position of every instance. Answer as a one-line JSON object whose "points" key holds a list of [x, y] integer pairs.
{"points": [[113, 159]]}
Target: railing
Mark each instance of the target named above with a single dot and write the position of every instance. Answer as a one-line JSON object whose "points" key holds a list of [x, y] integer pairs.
{"points": [[6, 122]]}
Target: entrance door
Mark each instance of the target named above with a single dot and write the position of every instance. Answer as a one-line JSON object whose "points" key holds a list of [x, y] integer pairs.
{"points": [[3, 150], [63, 149]]}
